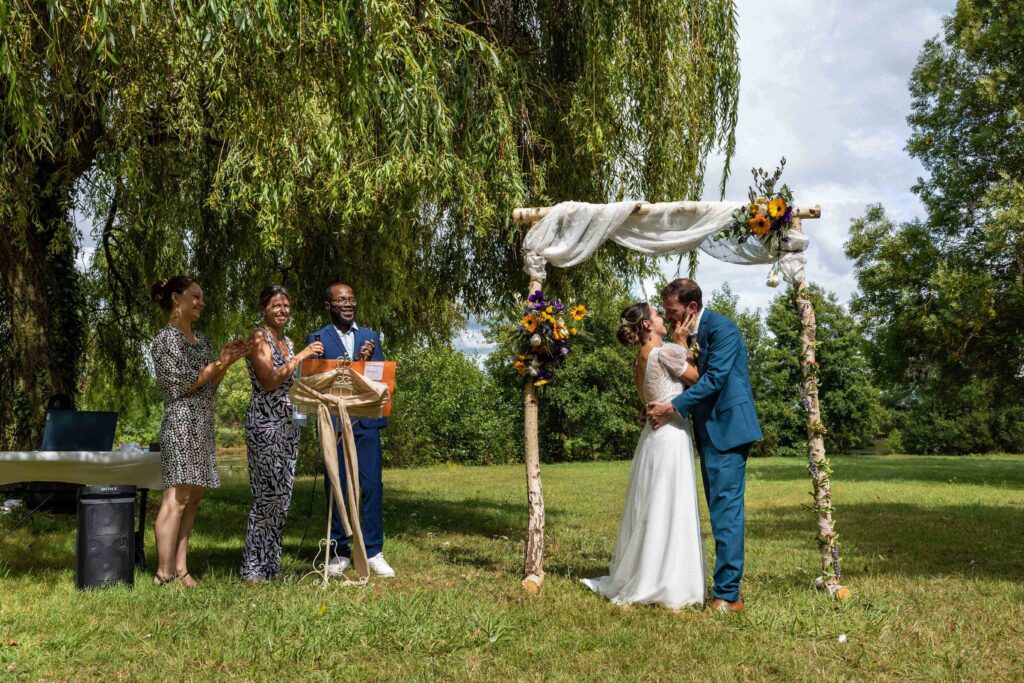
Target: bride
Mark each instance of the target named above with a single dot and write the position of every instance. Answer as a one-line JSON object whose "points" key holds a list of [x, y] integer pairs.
{"points": [[658, 557]]}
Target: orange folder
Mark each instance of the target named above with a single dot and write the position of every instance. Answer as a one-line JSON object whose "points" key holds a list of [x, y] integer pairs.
{"points": [[381, 371]]}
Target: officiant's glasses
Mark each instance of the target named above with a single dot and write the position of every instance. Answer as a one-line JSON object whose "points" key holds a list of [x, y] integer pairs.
{"points": [[342, 300]]}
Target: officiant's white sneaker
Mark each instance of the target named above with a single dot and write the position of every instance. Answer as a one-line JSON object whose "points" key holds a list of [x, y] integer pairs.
{"points": [[338, 565], [380, 566]]}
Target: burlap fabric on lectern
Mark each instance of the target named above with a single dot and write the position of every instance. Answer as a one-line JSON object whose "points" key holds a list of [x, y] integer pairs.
{"points": [[343, 393]]}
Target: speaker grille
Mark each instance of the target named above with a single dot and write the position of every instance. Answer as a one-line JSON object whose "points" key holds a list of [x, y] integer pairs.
{"points": [[106, 541]]}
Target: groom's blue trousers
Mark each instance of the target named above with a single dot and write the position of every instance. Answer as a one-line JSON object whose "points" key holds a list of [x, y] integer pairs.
{"points": [[725, 482]]}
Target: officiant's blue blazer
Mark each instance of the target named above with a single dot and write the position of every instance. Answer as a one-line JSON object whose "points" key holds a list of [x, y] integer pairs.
{"points": [[721, 400], [334, 350]]}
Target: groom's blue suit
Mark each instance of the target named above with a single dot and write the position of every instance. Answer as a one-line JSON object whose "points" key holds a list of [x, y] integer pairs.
{"points": [[725, 422]]}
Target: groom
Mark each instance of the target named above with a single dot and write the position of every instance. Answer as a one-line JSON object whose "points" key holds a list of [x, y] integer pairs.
{"points": [[724, 421]]}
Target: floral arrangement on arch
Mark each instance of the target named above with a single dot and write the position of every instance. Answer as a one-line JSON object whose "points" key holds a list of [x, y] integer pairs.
{"points": [[769, 214], [542, 340]]}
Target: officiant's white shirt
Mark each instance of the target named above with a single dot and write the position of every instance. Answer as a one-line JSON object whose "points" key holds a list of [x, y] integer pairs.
{"points": [[348, 339]]}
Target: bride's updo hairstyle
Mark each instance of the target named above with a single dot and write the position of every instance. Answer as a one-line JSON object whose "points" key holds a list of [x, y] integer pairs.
{"points": [[160, 292], [631, 330]]}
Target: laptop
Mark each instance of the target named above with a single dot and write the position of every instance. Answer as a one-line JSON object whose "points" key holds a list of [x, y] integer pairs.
{"points": [[79, 430]]}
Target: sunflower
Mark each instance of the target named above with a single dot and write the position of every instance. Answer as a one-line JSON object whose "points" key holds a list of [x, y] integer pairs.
{"points": [[579, 312], [546, 318], [777, 207], [760, 225], [529, 322]]}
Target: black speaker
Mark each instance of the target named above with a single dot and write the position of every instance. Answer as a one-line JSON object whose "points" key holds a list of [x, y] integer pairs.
{"points": [[106, 542]]}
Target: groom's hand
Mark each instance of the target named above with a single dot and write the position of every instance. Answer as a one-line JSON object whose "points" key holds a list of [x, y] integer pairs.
{"points": [[659, 414]]}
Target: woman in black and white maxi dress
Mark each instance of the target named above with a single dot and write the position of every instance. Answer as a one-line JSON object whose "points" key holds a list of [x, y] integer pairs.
{"points": [[272, 440]]}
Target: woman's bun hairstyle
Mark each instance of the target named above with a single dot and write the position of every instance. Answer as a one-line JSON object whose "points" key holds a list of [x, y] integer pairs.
{"points": [[631, 330], [160, 292]]}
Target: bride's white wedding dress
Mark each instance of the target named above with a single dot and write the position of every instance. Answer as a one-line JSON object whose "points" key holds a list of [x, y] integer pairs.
{"points": [[658, 558]]}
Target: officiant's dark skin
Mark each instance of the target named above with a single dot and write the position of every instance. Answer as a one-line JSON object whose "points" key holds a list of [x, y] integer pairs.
{"points": [[341, 304]]}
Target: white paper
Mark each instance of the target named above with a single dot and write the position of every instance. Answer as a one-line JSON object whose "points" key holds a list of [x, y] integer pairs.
{"points": [[374, 370]]}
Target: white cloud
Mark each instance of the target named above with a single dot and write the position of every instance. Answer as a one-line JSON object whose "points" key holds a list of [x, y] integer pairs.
{"points": [[825, 85]]}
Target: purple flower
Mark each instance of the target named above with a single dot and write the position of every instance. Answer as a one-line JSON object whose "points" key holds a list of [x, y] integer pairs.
{"points": [[789, 214], [537, 299]]}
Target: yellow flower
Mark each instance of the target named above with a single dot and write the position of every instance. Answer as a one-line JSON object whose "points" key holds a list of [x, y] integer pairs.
{"points": [[579, 312], [520, 367], [529, 322], [549, 309], [777, 207], [759, 225], [541, 382], [545, 318], [575, 331]]}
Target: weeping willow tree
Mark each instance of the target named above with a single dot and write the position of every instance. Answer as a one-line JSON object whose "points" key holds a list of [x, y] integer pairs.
{"points": [[384, 143]]}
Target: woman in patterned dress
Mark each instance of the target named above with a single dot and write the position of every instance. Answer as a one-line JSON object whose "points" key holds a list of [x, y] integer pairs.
{"points": [[271, 438], [187, 375]]}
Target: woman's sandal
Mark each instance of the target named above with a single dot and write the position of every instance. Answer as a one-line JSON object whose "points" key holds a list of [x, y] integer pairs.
{"points": [[163, 580], [182, 577]]}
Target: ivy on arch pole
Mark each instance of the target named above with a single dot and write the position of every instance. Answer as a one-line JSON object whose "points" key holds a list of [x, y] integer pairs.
{"points": [[691, 219]]}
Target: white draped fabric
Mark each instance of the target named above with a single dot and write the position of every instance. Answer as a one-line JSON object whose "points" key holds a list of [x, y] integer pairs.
{"points": [[572, 231]]}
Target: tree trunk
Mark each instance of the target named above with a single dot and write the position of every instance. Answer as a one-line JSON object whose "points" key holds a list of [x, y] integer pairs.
{"points": [[533, 571], [818, 464], [44, 299]]}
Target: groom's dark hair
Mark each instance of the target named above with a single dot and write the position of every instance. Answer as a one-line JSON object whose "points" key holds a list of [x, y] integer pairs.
{"points": [[684, 290]]}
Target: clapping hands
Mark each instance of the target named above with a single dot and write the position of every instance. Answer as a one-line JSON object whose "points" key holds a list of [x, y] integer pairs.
{"points": [[234, 350]]}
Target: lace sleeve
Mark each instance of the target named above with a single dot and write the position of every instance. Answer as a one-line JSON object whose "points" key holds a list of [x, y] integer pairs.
{"points": [[673, 358]]}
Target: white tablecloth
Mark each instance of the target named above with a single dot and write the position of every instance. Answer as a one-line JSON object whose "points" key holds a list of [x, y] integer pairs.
{"points": [[82, 467]]}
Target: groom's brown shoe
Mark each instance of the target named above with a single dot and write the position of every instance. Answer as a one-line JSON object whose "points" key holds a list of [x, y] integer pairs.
{"points": [[720, 605]]}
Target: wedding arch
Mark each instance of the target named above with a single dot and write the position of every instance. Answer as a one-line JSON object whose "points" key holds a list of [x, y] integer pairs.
{"points": [[569, 233]]}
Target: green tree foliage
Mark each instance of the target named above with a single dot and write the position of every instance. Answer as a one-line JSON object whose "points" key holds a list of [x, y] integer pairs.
{"points": [[589, 412], [943, 297], [851, 406], [383, 143], [447, 409]]}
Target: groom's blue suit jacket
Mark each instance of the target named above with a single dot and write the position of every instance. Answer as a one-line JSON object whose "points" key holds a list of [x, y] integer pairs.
{"points": [[721, 401], [335, 350]]}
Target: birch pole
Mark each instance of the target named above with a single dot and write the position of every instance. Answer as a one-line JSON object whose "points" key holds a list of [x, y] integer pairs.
{"points": [[817, 461], [533, 571]]}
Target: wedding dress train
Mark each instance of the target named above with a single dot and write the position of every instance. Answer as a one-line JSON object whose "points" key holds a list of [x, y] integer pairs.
{"points": [[658, 558]]}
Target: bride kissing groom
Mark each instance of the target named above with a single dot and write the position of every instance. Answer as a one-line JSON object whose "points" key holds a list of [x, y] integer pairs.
{"points": [[702, 374]]}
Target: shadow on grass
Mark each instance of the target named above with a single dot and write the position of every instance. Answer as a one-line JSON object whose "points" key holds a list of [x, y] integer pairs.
{"points": [[902, 539], [891, 538], [972, 470], [47, 544]]}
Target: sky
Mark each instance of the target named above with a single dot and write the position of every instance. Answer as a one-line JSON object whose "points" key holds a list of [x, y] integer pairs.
{"points": [[825, 84]]}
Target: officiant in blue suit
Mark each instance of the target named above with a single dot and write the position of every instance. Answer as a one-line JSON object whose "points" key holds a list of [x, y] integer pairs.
{"points": [[344, 339]]}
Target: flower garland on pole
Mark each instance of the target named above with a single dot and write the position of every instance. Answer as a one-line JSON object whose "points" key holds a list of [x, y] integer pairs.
{"points": [[545, 329]]}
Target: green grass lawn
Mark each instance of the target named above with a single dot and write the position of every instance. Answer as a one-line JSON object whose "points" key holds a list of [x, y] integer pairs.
{"points": [[931, 549]]}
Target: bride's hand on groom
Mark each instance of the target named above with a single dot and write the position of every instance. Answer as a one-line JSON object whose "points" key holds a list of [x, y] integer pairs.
{"points": [[659, 414]]}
